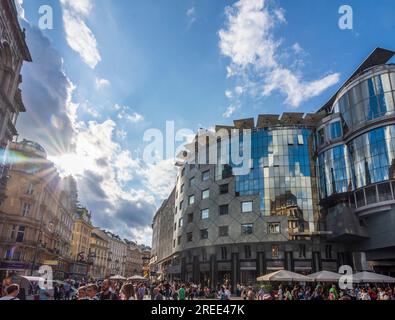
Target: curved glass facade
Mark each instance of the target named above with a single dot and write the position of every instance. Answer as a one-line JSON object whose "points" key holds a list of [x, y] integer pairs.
{"points": [[334, 171], [281, 173], [366, 160], [371, 99], [373, 156]]}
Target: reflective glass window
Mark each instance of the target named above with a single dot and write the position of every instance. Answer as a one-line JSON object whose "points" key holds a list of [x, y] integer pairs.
{"points": [[371, 196], [384, 191], [360, 196], [204, 214]]}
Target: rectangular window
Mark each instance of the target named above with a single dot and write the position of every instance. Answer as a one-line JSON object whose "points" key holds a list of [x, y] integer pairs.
{"points": [[203, 234], [335, 130], [246, 207], [384, 192], [191, 181], [13, 231], [206, 175], [175, 226], [205, 194], [247, 252], [223, 231], [321, 137], [191, 200], [189, 237], [30, 189], [247, 229], [204, 254], [182, 188], [21, 234], [275, 250], [223, 188], [190, 217], [300, 140], [224, 253], [25, 209], [181, 204], [223, 210], [205, 214], [371, 195], [274, 228], [360, 198], [179, 240], [180, 223]]}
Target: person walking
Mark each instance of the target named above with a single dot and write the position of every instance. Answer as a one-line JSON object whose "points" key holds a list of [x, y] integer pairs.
{"points": [[91, 292], [181, 293], [106, 293], [127, 292]]}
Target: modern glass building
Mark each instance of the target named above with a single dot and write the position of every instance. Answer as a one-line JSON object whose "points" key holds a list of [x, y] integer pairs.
{"points": [[319, 192]]}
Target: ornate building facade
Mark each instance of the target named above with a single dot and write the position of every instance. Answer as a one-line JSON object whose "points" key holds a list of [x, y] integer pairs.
{"points": [[36, 217], [98, 251], [13, 52]]}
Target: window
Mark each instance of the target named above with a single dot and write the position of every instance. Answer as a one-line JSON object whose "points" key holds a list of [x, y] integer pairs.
{"points": [[223, 231], [246, 229], [182, 188], [247, 252], [321, 137], [203, 234], [223, 188], [328, 251], [175, 226], [205, 214], [275, 250], [191, 181], [371, 195], [25, 209], [191, 200], [180, 223], [384, 192], [189, 237], [300, 140], [181, 204], [246, 207], [302, 251], [223, 210], [13, 230], [274, 228], [205, 194], [30, 189], [335, 130], [224, 253], [21, 234], [206, 175], [179, 240], [204, 254], [190, 217], [360, 198]]}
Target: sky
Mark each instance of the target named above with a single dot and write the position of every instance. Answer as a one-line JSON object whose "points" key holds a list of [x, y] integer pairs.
{"points": [[109, 70]]}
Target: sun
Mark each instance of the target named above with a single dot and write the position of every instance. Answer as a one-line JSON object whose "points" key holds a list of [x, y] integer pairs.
{"points": [[69, 164]]}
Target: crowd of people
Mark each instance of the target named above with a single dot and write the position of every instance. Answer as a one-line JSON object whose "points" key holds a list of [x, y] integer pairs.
{"points": [[143, 290]]}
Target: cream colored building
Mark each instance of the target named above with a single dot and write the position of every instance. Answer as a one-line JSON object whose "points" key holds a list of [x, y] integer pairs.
{"points": [[99, 248], [36, 217], [116, 255]]}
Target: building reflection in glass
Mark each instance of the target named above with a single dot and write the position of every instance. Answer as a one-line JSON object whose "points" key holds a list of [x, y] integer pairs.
{"points": [[281, 175]]}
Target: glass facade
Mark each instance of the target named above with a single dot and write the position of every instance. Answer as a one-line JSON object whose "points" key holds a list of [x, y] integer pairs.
{"points": [[368, 100], [366, 160], [281, 173]]}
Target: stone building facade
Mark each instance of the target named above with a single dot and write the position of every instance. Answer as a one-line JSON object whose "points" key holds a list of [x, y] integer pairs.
{"points": [[13, 52]]}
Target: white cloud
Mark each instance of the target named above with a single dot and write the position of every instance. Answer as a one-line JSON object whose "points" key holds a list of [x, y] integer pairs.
{"points": [[229, 94], [229, 111], [19, 8], [191, 15], [79, 36], [297, 48], [102, 83], [248, 40], [126, 113]]}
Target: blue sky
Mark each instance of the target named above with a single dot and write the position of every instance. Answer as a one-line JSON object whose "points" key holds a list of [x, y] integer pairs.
{"points": [[113, 69]]}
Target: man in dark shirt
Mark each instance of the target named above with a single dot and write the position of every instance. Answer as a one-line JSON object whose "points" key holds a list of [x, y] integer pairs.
{"points": [[106, 293]]}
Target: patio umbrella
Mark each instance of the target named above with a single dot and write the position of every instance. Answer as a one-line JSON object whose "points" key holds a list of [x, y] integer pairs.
{"points": [[284, 275], [371, 277], [325, 276], [117, 277], [137, 277]]}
